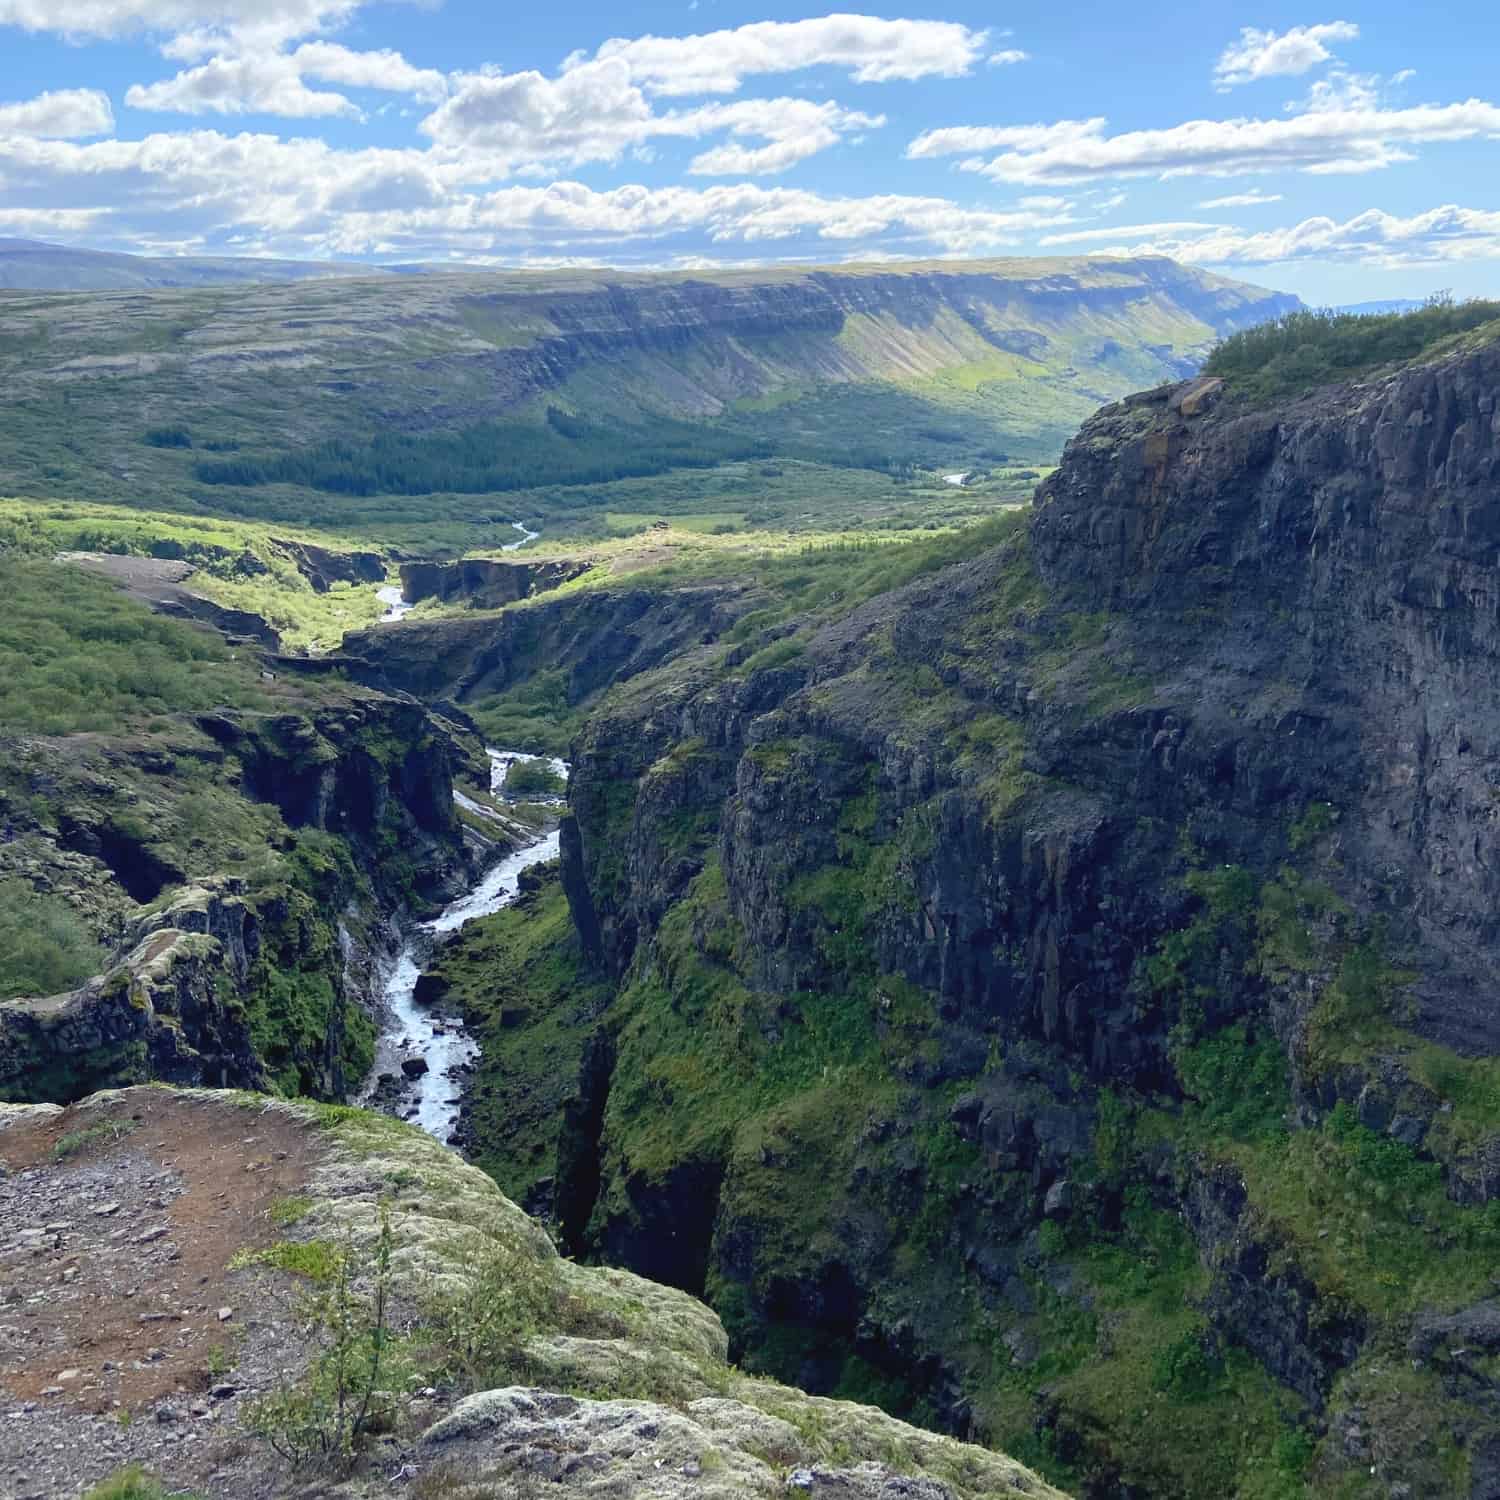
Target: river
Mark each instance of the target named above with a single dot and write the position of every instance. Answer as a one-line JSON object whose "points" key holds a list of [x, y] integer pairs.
{"points": [[414, 1031], [434, 1097]]}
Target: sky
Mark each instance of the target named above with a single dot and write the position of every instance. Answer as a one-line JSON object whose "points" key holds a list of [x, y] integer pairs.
{"points": [[1345, 154]]}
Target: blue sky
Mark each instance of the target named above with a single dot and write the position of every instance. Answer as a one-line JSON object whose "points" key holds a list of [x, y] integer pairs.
{"points": [[1343, 154]]}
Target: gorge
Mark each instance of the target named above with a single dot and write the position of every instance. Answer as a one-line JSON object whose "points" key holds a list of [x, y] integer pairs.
{"points": [[1032, 978]]}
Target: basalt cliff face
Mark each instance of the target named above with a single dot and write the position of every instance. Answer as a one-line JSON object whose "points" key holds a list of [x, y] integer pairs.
{"points": [[251, 979], [1061, 992]]}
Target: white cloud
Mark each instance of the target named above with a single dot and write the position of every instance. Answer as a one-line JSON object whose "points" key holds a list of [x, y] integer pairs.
{"points": [[870, 49], [594, 111], [1267, 54], [1007, 57], [385, 70], [956, 139], [109, 18], [1373, 238], [241, 80], [267, 83], [794, 129], [1084, 236], [60, 114], [302, 197], [1241, 200], [1319, 141], [28, 221]]}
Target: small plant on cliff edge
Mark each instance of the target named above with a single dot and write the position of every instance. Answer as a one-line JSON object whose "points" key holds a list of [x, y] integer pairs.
{"points": [[321, 1419], [481, 1326]]}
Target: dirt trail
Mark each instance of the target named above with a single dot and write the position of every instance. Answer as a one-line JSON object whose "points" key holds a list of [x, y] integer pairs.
{"points": [[115, 1292]]}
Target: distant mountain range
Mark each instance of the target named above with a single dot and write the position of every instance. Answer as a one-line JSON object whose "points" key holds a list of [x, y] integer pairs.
{"points": [[1390, 305], [36, 266]]}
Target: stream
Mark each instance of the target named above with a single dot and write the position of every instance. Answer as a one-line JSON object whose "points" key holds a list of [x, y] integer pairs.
{"points": [[415, 1032], [396, 607]]}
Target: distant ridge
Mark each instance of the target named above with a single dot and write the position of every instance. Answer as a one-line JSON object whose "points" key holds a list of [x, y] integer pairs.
{"points": [[37, 266], [1392, 305]]}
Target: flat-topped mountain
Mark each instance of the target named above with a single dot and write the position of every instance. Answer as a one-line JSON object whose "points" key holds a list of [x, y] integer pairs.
{"points": [[287, 399]]}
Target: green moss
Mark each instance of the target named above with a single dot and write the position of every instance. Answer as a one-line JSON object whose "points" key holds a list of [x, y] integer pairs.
{"points": [[520, 978], [317, 1260], [44, 947]]}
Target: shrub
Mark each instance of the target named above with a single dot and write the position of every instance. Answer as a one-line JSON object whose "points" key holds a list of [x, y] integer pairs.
{"points": [[482, 1325], [532, 778], [321, 1419], [1306, 349], [44, 946]]}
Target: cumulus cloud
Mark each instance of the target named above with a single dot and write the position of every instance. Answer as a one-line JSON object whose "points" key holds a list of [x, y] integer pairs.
{"points": [[1338, 139], [385, 70], [1373, 238], [111, 18], [60, 114], [267, 83], [1241, 200], [1005, 58], [870, 49], [306, 197], [594, 111], [1269, 54]]}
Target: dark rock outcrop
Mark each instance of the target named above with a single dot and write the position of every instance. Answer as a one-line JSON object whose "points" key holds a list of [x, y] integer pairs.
{"points": [[322, 567], [596, 637], [487, 582]]}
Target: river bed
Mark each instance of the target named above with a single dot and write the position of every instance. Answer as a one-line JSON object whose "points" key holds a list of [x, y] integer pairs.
{"points": [[412, 1031]]}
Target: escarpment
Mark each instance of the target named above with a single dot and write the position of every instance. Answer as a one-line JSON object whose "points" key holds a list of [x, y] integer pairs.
{"points": [[1063, 989]]}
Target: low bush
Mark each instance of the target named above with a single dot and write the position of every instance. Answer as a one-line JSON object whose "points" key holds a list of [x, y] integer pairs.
{"points": [[1306, 349]]}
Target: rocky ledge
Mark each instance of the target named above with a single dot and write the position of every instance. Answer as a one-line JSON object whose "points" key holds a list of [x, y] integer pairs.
{"points": [[125, 1339]]}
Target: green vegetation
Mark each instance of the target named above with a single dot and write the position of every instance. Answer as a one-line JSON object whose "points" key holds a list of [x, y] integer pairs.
{"points": [[316, 1260], [102, 1133], [523, 964], [133, 1483], [44, 947], [346, 1390], [490, 458], [1303, 350], [533, 778], [76, 655]]}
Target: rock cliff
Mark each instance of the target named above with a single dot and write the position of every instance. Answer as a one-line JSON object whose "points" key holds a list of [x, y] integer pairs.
{"points": [[244, 979], [1008, 352], [1063, 988]]}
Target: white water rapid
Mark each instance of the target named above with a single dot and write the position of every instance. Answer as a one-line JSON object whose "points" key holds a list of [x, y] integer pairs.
{"points": [[432, 1099]]}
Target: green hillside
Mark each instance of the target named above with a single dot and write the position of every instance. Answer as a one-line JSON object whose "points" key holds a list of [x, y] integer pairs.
{"points": [[389, 406]]}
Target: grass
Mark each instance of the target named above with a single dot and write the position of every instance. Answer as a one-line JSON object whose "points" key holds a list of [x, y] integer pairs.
{"points": [[104, 1133], [45, 948], [76, 654], [133, 1483], [316, 1260]]}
